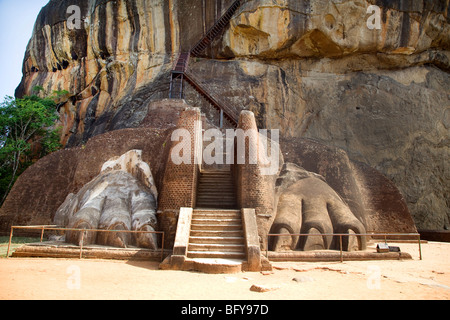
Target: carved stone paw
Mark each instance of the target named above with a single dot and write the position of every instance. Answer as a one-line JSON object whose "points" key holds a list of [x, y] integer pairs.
{"points": [[308, 205], [117, 199]]}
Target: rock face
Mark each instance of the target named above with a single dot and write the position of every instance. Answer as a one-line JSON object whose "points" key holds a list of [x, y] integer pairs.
{"points": [[122, 197], [373, 83]]}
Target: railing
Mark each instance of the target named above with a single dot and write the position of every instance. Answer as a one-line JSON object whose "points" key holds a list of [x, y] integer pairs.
{"points": [[215, 29], [204, 90], [43, 228], [340, 235], [180, 72], [182, 62]]}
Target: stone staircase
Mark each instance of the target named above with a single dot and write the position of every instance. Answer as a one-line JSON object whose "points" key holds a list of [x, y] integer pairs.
{"points": [[216, 190], [216, 233]]}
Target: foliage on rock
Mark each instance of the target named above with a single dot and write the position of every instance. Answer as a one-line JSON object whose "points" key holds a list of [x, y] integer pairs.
{"points": [[27, 132]]}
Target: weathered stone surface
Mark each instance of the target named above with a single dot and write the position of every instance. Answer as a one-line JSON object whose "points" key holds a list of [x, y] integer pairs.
{"points": [[313, 69], [286, 28]]}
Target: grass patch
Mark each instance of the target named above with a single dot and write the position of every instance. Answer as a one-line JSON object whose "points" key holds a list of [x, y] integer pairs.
{"points": [[15, 243]]}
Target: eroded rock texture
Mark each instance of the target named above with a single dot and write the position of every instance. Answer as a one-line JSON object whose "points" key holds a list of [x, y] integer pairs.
{"points": [[312, 69]]}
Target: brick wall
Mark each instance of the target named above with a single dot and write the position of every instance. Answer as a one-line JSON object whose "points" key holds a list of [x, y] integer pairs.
{"points": [[180, 179]]}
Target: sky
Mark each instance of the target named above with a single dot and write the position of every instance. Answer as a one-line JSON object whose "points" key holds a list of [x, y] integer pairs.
{"points": [[17, 19]]}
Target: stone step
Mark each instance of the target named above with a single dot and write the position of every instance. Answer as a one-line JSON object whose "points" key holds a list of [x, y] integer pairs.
{"points": [[216, 185], [216, 240], [214, 221], [214, 198], [217, 206], [223, 206], [216, 182], [215, 203], [215, 192], [216, 177], [224, 211], [216, 195], [217, 265], [216, 215], [221, 173], [217, 233], [216, 247], [216, 254], [225, 172], [215, 189], [216, 227]]}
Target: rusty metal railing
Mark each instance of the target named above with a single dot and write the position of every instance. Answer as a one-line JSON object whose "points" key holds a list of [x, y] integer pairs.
{"points": [[43, 228], [340, 235]]}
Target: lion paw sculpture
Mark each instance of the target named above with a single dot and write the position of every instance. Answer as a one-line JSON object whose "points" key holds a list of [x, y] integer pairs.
{"points": [[308, 205], [121, 197]]}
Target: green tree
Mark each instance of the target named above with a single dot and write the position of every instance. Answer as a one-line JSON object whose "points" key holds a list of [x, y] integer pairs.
{"points": [[24, 122]]}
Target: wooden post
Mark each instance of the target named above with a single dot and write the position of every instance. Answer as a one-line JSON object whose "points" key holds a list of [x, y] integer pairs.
{"points": [[171, 86], [420, 248], [10, 238], [81, 244]]}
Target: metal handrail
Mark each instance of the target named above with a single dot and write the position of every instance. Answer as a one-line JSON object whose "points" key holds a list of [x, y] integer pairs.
{"points": [[208, 34], [59, 228], [385, 234], [219, 104]]}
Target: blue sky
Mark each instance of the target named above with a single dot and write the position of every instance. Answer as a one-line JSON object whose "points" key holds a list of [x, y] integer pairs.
{"points": [[17, 19]]}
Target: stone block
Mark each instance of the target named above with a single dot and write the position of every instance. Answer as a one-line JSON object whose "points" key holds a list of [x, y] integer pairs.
{"points": [[183, 230], [251, 239]]}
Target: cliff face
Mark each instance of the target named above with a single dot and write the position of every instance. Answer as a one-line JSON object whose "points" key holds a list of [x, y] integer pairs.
{"points": [[119, 58], [313, 69]]}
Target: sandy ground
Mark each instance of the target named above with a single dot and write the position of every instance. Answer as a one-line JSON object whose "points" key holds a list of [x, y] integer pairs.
{"points": [[27, 278]]}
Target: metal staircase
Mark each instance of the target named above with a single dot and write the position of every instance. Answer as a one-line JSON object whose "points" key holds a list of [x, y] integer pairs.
{"points": [[180, 70], [215, 30]]}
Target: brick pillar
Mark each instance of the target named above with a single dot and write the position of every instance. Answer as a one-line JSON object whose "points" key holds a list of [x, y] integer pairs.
{"points": [[181, 174], [254, 190]]}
